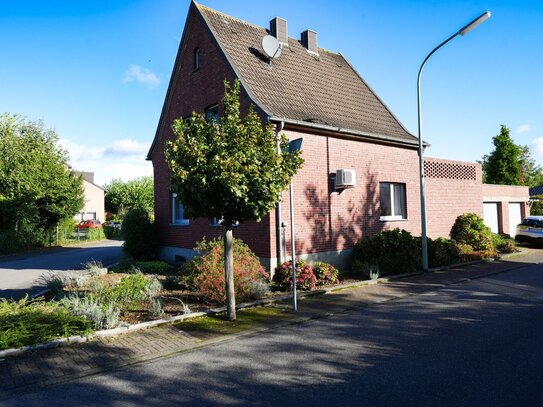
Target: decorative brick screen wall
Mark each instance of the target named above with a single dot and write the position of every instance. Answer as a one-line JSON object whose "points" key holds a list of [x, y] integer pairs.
{"points": [[452, 188], [440, 169]]}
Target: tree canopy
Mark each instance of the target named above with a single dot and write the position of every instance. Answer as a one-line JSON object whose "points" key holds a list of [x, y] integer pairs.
{"points": [[503, 164], [37, 188], [531, 173], [229, 169], [510, 163], [122, 196]]}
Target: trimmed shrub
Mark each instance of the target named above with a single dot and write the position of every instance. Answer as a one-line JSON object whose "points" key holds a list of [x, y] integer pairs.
{"points": [[140, 239], [205, 272], [470, 229], [442, 252], [305, 278], [325, 273], [393, 252], [504, 244], [111, 232]]}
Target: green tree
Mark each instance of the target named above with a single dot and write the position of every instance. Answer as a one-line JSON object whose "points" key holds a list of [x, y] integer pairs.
{"points": [[122, 196], [531, 173], [229, 169], [37, 188], [503, 165]]}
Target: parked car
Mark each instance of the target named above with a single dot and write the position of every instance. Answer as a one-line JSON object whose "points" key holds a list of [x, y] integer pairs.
{"points": [[113, 224], [89, 224], [530, 230]]}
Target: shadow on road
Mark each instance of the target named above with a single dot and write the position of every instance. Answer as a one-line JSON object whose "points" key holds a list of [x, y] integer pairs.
{"points": [[442, 347]]}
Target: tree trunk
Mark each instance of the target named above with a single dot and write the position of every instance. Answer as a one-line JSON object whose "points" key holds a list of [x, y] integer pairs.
{"points": [[229, 273]]}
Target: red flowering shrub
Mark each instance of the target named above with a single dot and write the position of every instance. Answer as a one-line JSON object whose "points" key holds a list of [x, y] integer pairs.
{"points": [[325, 273], [305, 279], [205, 272]]}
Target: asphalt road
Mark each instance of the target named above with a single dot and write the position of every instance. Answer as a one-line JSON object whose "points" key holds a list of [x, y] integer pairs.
{"points": [[20, 274], [477, 343]]}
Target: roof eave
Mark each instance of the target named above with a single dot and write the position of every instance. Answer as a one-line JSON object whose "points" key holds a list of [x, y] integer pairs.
{"points": [[352, 132]]}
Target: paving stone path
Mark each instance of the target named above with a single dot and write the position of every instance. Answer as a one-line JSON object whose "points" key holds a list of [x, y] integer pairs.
{"points": [[31, 370]]}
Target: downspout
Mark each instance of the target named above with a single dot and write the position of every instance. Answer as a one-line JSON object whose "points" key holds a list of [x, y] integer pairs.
{"points": [[278, 220]]}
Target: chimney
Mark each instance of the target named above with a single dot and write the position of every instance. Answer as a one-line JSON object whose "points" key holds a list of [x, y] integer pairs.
{"points": [[309, 40], [278, 28]]}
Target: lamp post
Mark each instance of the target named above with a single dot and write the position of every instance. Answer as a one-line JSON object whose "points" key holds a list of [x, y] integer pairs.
{"points": [[294, 145], [463, 31]]}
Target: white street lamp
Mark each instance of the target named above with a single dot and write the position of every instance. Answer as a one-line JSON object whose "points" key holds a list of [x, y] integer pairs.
{"points": [[463, 31]]}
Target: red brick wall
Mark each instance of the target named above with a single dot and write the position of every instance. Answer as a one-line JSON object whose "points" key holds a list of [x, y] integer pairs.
{"points": [[195, 91], [328, 220], [452, 188]]}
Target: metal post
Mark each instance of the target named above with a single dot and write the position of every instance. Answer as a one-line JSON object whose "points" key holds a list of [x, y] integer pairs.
{"points": [[463, 31], [293, 247], [424, 238]]}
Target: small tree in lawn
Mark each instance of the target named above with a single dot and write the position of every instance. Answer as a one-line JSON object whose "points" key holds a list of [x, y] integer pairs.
{"points": [[229, 169]]}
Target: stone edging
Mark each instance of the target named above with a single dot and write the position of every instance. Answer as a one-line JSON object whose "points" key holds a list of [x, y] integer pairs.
{"points": [[178, 318]]}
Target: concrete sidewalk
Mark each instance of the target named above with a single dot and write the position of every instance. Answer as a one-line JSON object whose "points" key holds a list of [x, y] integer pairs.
{"points": [[47, 367]]}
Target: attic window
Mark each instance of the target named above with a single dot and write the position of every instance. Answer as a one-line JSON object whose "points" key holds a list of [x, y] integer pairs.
{"points": [[196, 59]]}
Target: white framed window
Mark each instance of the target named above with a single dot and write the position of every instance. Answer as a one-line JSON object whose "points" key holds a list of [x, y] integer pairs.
{"points": [[393, 201], [178, 212]]}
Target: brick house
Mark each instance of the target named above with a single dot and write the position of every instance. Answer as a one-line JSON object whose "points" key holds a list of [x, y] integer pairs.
{"points": [[316, 94]]}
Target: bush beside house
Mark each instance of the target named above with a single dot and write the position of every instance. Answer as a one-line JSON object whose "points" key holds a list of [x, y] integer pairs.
{"points": [[397, 251]]}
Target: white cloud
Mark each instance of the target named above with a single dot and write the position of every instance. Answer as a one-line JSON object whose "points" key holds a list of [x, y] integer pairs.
{"points": [[536, 146], [141, 75], [127, 147], [524, 128], [124, 159]]}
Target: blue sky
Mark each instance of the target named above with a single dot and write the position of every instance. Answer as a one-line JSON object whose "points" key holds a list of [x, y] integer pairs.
{"points": [[97, 72]]}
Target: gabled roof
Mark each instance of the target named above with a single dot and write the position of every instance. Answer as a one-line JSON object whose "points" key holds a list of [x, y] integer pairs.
{"points": [[300, 87]]}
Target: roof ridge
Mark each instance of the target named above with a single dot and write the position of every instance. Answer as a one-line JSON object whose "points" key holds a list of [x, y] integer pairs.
{"points": [[212, 10], [201, 6]]}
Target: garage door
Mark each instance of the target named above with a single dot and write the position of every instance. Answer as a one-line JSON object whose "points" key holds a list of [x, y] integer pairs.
{"points": [[515, 217], [490, 215]]}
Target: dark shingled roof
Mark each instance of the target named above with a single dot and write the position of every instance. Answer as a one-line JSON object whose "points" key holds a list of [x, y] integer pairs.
{"points": [[321, 89], [536, 190]]}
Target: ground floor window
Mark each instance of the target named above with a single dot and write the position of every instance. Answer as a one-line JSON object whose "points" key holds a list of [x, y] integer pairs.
{"points": [[393, 202], [179, 216]]}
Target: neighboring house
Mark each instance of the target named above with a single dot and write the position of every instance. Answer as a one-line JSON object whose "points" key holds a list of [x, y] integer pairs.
{"points": [[316, 94], [94, 199]]}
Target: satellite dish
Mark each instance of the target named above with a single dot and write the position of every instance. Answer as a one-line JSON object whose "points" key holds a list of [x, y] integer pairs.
{"points": [[271, 46]]}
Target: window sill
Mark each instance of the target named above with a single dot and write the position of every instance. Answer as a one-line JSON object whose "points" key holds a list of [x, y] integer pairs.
{"points": [[392, 219], [184, 224]]}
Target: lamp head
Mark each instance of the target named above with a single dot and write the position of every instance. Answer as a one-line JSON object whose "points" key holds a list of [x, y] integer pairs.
{"points": [[481, 19]]}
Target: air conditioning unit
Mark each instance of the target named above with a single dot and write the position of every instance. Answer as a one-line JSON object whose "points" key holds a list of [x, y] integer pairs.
{"points": [[345, 179]]}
